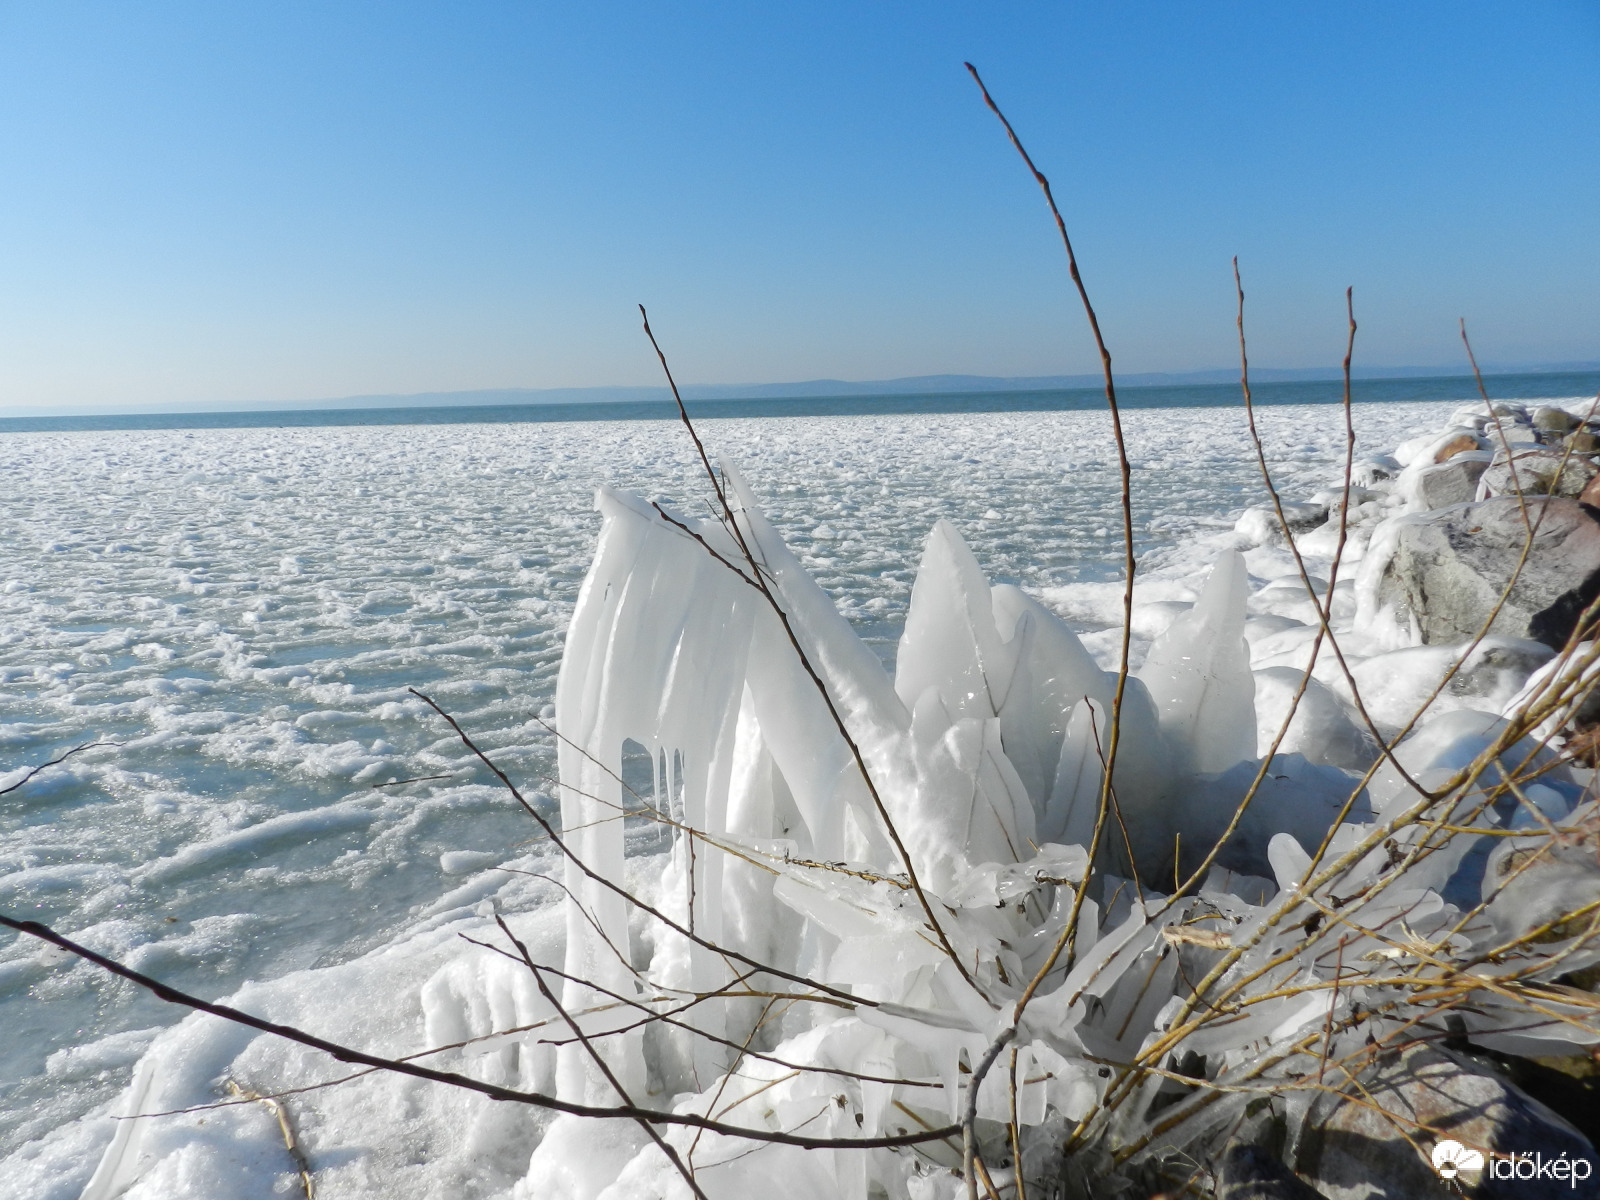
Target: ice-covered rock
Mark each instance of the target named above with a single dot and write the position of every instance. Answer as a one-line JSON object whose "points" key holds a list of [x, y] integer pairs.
{"points": [[1260, 524], [1333, 498], [1349, 1147], [1438, 485], [1437, 577], [1368, 472], [1464, 442], [1429, 448], [1444, 745]]}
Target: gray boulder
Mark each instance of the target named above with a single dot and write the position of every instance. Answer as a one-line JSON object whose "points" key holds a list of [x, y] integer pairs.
{"points": [[1554, 420], [1538, 472], [1583, 441], [1453, 481], [1356, 1147], [1442, 572]]}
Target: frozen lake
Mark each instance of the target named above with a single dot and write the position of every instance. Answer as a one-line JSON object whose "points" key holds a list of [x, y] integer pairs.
{"points": [[242, 610]]}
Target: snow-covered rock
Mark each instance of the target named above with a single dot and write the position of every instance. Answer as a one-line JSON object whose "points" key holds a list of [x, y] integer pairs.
{"points": [[1426, 486]]}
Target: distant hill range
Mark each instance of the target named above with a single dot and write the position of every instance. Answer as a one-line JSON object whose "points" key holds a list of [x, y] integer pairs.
{"points": [[915, 385]]}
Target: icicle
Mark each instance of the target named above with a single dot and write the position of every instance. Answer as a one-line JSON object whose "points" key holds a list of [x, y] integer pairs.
{"points": [[950, 641], [1054, 673], [1198, 673]]}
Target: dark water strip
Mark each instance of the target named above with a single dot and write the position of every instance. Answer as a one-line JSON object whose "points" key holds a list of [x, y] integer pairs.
{"points": [[1208, 395]]}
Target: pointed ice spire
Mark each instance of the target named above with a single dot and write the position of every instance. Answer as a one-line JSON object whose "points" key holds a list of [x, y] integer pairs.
{"points": [[1198, 673]]}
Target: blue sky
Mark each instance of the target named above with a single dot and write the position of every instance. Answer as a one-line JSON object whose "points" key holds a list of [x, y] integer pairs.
{"points": [[231, 202]]}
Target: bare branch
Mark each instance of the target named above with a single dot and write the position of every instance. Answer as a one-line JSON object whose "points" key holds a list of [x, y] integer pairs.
{"points": [[54, 762], [350, 1054]]}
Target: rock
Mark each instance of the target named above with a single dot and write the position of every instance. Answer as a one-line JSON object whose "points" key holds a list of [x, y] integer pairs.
{"points": [[1333, 498], [1554, 420], [1584, 441], [1462, 443], [1435, 577], [1591, 493], [1431, 447], [1251, 1173], [1260, 522], [1538, 472], [1569, 1084], [1356, 1149], [1439, 485], [1374, 470]]}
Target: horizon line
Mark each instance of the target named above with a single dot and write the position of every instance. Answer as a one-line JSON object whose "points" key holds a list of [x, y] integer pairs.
{"points": [[813, 389]]}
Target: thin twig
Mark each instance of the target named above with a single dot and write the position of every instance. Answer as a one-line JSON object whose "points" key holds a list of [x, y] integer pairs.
{"points": [[1065, 942], [969, 1121], [275, 1106], [54, 762], [760, 583]]}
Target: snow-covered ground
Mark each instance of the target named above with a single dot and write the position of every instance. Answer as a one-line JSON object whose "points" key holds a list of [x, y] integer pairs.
{"points": [[242, 611]]}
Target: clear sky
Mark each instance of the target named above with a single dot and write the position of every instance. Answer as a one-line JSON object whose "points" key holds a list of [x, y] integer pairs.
{"points": [[222, 201]]}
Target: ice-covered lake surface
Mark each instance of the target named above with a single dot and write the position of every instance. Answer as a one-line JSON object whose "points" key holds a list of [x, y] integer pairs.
{"points": [[240, 612]]}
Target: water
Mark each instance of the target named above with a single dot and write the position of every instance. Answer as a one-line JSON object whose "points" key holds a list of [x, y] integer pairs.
{"points": [[243, 608], [1210, 395]]}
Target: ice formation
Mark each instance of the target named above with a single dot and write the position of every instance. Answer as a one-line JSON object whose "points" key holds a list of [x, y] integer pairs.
{"points": [[985, 742], [987, 750]]}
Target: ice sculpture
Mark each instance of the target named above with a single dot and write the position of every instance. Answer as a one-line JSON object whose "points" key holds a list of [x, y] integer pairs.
{"points": [[983, 785]]}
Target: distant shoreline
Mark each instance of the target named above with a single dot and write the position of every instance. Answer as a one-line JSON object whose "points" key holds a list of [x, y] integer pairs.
{"points": [[1525, 385]]}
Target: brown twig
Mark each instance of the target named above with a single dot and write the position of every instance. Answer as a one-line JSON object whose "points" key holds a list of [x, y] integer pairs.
{"points": [[759, 582], [1064, 943], [657, 914], [275, 1106]]}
